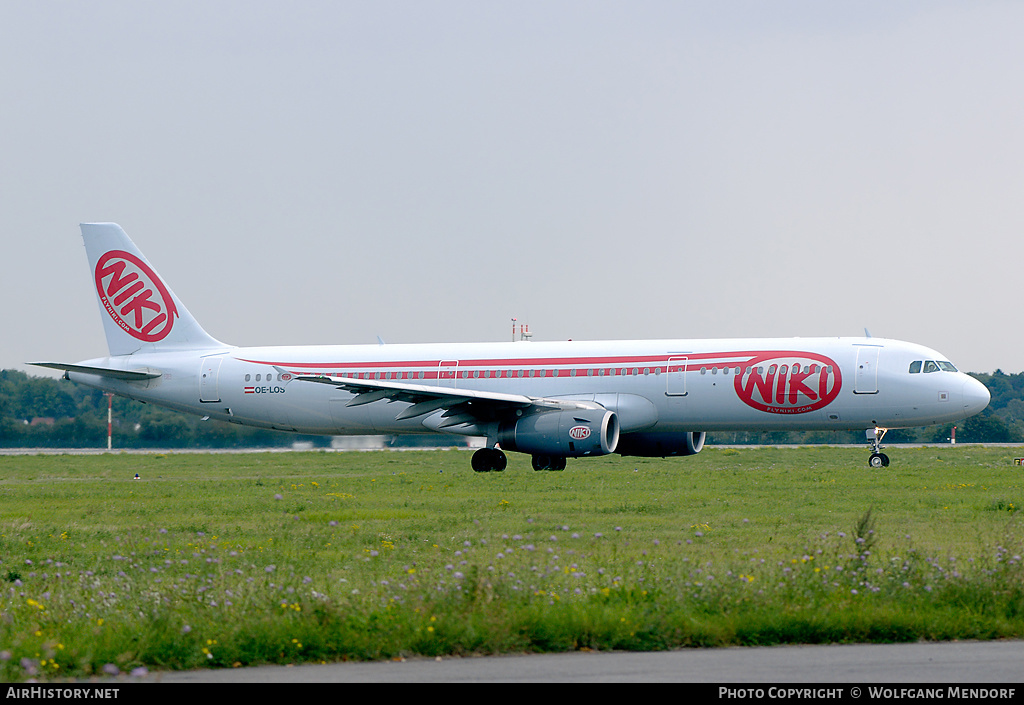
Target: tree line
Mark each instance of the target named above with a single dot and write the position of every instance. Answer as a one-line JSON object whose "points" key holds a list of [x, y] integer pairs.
{"points": [[42, 412]]}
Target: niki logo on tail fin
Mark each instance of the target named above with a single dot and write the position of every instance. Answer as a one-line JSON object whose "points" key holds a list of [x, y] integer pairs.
{"points": [[140, 312], [134, 296]]}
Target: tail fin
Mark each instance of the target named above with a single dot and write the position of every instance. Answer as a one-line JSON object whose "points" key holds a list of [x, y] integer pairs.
{"points": [[139, 311]]}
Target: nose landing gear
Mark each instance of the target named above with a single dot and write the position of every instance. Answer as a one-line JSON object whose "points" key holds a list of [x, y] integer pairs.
{"points": [[878, 459]]}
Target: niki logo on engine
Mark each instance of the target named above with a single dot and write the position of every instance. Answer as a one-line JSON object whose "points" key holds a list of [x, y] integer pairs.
{"points": [[789, 382], [134, 296]]}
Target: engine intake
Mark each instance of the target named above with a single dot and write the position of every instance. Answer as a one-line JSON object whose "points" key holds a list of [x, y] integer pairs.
{"points": [[661, 445], [568, 434]]}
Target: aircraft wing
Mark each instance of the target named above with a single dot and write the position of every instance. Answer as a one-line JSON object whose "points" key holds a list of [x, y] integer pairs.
{"points": [[461, 406]]}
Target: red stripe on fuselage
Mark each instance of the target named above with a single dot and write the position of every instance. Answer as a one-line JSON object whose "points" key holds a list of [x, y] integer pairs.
{"points": [[616, 361]]}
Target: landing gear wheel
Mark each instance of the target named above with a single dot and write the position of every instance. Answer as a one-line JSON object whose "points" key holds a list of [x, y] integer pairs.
{"points": [[548, 462], [489, 460], [878, 459]]}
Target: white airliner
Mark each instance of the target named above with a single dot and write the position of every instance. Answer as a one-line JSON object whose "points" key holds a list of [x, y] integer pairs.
{"points": [[553, 400]]}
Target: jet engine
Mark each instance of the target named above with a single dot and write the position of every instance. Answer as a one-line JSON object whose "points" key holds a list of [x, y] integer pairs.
{"points": [[661, 445], [567, 434]]}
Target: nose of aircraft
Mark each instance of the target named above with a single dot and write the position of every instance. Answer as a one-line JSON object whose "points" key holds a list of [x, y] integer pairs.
{"points": [[976, 396]]}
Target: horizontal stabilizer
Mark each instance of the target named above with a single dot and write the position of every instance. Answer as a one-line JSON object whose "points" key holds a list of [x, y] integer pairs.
{"points": [[130, 375]]}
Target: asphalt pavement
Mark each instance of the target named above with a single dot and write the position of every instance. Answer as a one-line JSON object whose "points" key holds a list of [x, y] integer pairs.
{"points": [[947, 663]]}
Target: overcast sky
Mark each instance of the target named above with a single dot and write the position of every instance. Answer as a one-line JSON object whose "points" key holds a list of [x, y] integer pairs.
{"points": [[327, 172]]}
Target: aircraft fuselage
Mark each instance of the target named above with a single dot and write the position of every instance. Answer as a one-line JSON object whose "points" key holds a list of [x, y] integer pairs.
{"points": [[670, 385]]}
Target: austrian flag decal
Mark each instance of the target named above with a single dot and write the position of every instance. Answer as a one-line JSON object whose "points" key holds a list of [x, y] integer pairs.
{"points": [[134, 296]]}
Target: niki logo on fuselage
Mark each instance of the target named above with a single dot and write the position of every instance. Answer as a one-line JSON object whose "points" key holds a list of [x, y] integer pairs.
{"points": [[789, 383], [134, 296]]}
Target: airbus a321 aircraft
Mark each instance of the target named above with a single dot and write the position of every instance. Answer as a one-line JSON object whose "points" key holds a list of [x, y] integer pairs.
{"points": [[553, 400]]}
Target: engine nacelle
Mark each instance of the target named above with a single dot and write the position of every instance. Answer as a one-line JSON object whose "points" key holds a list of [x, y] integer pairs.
{"points": [[661, 445], [567, 434]]}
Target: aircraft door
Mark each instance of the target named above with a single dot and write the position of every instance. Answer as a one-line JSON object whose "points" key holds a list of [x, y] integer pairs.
{"points": [[866, 381], [675, 377], [209, 379], [447, 373]]}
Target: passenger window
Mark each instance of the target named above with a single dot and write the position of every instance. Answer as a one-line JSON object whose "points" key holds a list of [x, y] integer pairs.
{"points": [[915, 367], [247, 378], [930, 366]]}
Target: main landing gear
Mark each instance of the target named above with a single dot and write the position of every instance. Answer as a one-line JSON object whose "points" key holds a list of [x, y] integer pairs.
{"points": [[489, 460], [494, 460], [878, 459], [548, 462]]}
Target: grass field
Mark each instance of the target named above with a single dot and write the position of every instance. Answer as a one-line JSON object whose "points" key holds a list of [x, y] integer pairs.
{"points": [[228, 560]]}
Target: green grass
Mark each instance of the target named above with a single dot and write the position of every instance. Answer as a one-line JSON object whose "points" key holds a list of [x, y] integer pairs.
{"points": [[225, 560]]}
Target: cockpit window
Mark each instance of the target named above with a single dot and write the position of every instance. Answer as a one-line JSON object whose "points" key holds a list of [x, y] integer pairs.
{"points": [[932, 366]]}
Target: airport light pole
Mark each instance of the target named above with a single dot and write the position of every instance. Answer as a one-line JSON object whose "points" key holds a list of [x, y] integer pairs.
{"points": [[110, 419]]}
